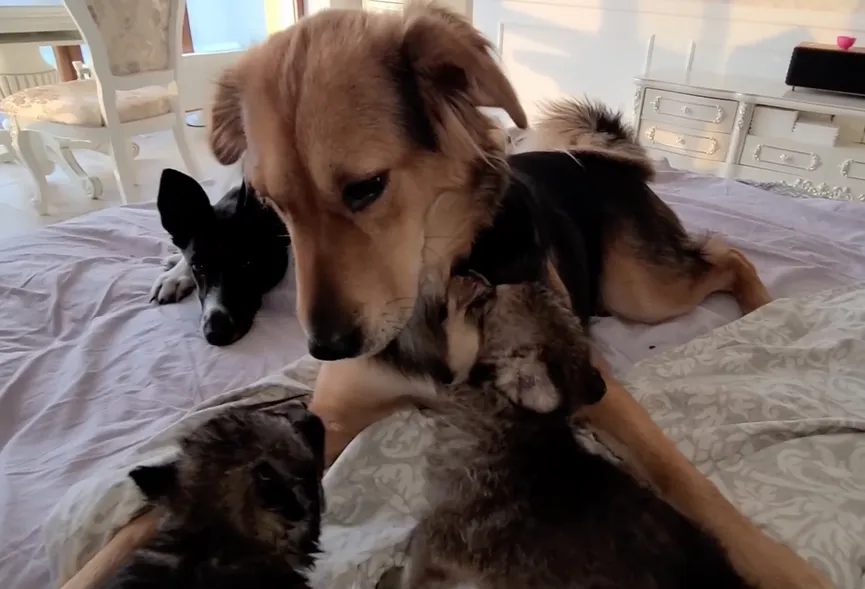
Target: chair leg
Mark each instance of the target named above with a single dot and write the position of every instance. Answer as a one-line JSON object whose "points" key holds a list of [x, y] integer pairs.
{"points": [[186, 155], [27, 144], [65, 158], [123, 170]]}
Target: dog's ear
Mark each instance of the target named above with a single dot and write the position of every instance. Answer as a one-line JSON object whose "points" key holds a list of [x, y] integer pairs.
{"points": [[157, 483], [225, 126], [452, 59], [183, 205]]}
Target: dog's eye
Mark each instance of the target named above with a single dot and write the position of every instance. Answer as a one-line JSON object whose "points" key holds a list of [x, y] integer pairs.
{"points": [[197, 267], [359, 195]]}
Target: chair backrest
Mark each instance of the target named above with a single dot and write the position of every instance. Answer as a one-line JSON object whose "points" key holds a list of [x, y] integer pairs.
{"points": [[131, 38]]}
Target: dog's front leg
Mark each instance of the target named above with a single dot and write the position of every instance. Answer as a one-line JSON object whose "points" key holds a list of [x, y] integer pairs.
{"points": [[352, 394], [629, 430]]}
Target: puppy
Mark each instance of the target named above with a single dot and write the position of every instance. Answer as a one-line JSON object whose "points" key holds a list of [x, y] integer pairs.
{"points": [[517, 500], [243, 506], [234, 251]]}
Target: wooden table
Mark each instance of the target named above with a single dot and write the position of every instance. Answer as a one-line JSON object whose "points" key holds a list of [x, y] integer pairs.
{"points": [[26, 27]]}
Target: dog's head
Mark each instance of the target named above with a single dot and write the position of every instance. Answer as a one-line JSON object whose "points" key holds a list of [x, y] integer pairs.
{"points": [[237, 250], [528, 336], [364, 130], [253, 472]]}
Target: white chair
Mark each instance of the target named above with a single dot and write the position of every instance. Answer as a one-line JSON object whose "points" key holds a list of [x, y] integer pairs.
{"points": [[136, 50]]}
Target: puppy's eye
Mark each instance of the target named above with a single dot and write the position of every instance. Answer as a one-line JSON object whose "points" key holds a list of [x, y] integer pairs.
{"points": [[276, 493], [268, 483], [359, 195]]}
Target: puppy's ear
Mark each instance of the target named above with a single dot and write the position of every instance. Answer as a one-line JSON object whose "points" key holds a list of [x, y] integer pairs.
{"points": [[578, 381], [308, 425], [452, 59], [567, 355], [157, 482], [225, 127], [183, 205]]}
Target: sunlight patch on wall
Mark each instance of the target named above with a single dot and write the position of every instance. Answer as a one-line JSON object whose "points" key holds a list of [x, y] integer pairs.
{"points": [[278, 15]]}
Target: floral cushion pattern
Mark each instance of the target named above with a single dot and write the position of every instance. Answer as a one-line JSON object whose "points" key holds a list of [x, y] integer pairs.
{"points": [[77, 103], [136, 33]]}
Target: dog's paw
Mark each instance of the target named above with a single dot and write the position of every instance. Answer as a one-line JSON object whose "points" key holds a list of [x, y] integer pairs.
{"points": [[390, 579], [174, 284]]}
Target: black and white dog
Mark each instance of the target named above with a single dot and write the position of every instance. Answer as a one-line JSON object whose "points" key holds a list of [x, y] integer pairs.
{"points": [[234, 252]]}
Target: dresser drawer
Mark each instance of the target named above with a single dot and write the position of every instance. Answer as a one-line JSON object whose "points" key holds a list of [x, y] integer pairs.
{"points": [[686, 110], [784, 156], [690, 142], [846, 172]]}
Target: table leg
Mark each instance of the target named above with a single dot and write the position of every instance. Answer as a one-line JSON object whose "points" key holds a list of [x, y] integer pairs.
{"points": [[64, 55]]}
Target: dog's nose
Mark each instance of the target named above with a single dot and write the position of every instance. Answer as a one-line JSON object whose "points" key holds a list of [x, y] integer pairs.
{"points": [[219, 328], [336, 346]]}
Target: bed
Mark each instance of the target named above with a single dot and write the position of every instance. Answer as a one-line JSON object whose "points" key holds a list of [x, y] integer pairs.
{"points": [[82, 401]]}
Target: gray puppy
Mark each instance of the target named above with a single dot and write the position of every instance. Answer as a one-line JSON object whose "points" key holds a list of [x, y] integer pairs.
{"points": [[517, 500], [243, 505]]}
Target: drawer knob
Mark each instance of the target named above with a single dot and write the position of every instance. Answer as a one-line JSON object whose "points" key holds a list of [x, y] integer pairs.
{"points": [[686, 110], [784, 157], [680, 140]]}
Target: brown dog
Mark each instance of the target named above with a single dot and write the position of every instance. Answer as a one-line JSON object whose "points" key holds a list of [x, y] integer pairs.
{"points": [[364, 131]]}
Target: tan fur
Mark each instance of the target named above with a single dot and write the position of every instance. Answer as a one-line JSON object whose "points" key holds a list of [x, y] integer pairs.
{"points": [[635, 290], [570, 124], [314, 110]]}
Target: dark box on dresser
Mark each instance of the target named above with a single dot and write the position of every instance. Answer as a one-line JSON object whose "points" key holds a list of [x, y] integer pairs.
{"points": [[827, 67]]}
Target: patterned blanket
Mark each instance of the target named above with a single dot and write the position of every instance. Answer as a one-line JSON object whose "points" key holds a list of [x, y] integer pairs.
{"points": [[771, 407]]}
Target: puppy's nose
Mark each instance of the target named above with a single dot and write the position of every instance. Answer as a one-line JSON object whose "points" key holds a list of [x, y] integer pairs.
{"points": [[329, 346], [219, 328]]}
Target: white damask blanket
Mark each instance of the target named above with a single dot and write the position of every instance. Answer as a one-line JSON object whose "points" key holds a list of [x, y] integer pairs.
{"points": [[771, 407]]}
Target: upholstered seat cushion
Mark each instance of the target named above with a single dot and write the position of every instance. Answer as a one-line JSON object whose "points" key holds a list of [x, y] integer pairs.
{"points": [[77, 103]]}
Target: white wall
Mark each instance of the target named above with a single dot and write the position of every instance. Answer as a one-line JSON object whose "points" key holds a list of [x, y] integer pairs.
{"points": [[595, 47]]}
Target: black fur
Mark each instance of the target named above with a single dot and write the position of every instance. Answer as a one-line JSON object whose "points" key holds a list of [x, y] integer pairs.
{"points": [[563, 207], [237, 249]]}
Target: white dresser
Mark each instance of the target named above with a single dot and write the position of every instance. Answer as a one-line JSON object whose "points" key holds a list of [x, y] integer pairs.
{"points": [[749, 129]]}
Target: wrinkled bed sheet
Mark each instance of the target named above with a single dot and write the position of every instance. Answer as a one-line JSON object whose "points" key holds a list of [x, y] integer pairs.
{"points": [[771, 407], [89, 370]]}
